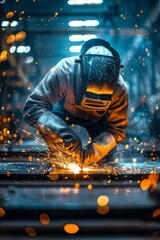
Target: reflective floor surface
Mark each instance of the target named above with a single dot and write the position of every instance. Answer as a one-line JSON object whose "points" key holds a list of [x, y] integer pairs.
{"points": [[115, 200]]}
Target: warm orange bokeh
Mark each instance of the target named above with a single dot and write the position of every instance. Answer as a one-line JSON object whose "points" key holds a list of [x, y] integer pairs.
{"points": [[102, 200], [2, 212], [10, 39], [76, 185], [3, 56], [153, 177], [145, 184], [89, 187], [31, 231], [44, 219], [20, 36], [103, 210], [30, 158], [8, 174], [71, 228], [9, 14], [156, 213], [53, 176]]}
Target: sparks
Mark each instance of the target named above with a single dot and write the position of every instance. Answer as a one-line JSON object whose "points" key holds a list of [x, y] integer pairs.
{"points": [[75, 168], [86, 169]]}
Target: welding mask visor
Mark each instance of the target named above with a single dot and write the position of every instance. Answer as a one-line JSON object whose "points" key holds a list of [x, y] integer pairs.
{"points": [[95, 81]]}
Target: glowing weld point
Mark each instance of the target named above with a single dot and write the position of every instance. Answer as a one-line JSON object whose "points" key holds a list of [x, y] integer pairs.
{"points": [[85, 169], [75, 168]]}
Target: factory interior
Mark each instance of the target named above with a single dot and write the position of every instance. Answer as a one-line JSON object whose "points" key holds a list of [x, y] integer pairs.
{"points": [[119, 199]]}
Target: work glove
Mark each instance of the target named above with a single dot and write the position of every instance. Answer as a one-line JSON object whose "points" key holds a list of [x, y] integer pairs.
{"points": [[60, 138], [98, 148]]}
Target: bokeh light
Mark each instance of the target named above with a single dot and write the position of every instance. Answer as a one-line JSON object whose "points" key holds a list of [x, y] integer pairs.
{"points": [[10, 39], [156, 213], [20, 36], [9, 15], [2, 212], [103, 209], [71, 228], [30, 231], [102, 200], [145, 184], [44, 219]]}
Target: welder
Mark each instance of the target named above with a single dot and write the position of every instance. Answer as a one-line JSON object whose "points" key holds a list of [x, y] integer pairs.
{"points": [[87, 91]]}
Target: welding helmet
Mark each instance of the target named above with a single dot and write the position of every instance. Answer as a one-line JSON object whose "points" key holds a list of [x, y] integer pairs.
{"points": [[96, 75]]}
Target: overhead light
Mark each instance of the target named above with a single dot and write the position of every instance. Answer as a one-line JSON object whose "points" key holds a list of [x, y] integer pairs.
{"points": [[88, 23], [81, 2], [23, 49], [2, 1], [79, 37], [27, 49], [85, 23], [75, 49], [5, 24], [14, 24], [12, 49], [28, 59], [20, 49], [76, 23]]}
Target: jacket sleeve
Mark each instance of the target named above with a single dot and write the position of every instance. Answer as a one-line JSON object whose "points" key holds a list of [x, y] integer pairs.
{"points": [[37, 113], [49, 91], [114, 131]]}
